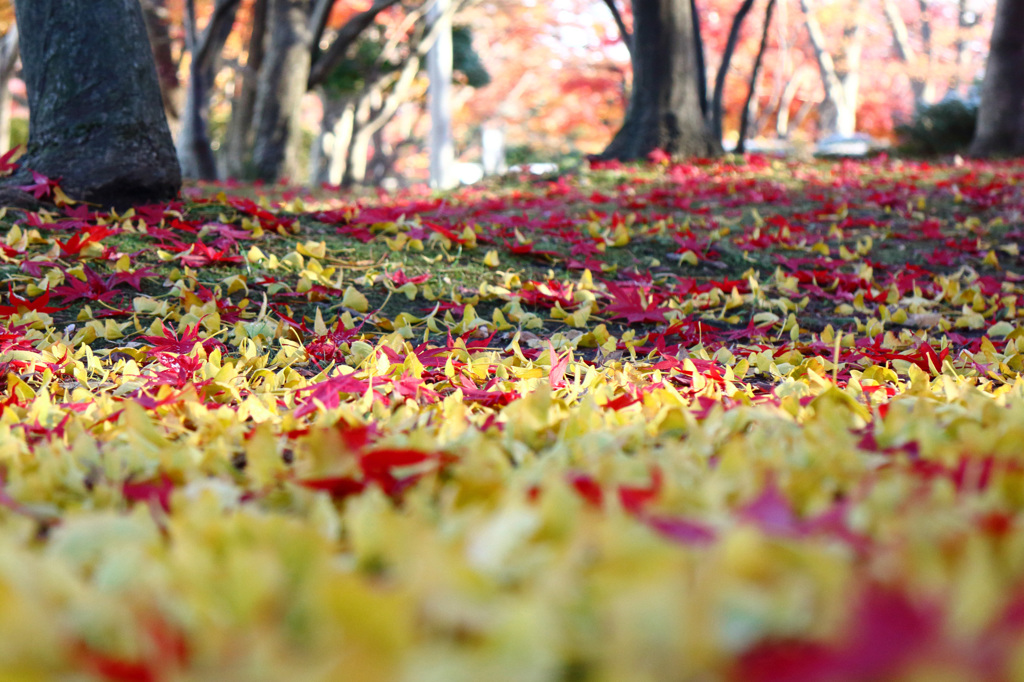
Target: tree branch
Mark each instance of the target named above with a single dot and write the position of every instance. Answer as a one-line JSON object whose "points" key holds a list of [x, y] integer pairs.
{"points": [[346, 36], [900, 35], [730, 47], [9, 50], [702, 71], [741, 146], [829, 77], [624, 33], [223, 13], [318, 21]]}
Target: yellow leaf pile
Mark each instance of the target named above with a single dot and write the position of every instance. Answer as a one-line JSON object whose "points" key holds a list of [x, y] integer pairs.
{"points": [[695, 442]]}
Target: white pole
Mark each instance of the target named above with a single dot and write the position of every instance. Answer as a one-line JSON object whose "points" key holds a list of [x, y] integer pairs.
{"points": [[439, 68]]}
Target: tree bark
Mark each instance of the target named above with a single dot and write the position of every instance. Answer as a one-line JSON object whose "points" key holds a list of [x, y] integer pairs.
{"points": [[664, 110], [439, 98], [194, 152], [840, 75], [238, 148], [701, 65], [741, 140], [345, 38], [782, 123], [155, 14], [905, 51], [282, 83], [8, 58], [627, 37], [723, 68], [1001, 115], [97, 118], [330, 159]]}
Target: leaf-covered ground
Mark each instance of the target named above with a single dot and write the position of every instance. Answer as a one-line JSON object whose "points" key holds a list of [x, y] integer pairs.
{"points": [[726, 421]]}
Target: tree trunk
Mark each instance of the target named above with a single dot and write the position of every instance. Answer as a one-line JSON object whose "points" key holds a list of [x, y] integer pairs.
{"points": [[97, 118], [194, 152], [237, 156], [905, 51], [926, 47], [155, 13], [282, 83], [1001, 116], [840, 75], [701, 65], [346, 36], [730, 46], [439, 99], [741, 140], [330, 157], [664, 109], [782, 123], [8, 58], [627, 37]]}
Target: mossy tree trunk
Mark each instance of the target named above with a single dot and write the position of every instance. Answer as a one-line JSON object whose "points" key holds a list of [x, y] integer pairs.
{"points": [[664, 109], [1001, 115], [96, 115]]}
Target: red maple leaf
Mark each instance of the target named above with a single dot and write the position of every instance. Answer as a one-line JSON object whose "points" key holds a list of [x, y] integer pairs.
{"points": [[20, 304], [157, 491], [41, 186], [199, 255], [635, 304], [94, 288], [82, 239], [327, 394], [171, 343], [6, 165]]}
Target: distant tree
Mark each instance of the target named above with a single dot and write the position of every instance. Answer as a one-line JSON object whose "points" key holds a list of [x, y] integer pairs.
{"points": [[195, 153], [9, 52], [919, 62], [840, 72], [96, 115], [741, 137], [284, 61], [1001, 115], [665, 106]]}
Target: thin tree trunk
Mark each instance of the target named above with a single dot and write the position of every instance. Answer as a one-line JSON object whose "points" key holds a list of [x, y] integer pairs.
{"points": [[343, 132], [238, 147], [627, 37], [327, 61], [194, 152], [282, 83], [439, 69], [838, 111], [155, 13], [723, 68], [1001, 115], [701, 63], [926, 48], [961, 45], [8, 59], [741, 142], [332, 141], [97, 118], [905, 51], [853, 50], [376, 108]]}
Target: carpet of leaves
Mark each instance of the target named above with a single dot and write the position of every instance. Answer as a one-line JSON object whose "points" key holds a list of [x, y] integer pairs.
{"points": [[722, 421]]}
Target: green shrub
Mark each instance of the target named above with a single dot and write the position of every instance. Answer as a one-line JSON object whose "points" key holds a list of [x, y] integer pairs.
{"points": [[946, 127]]}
